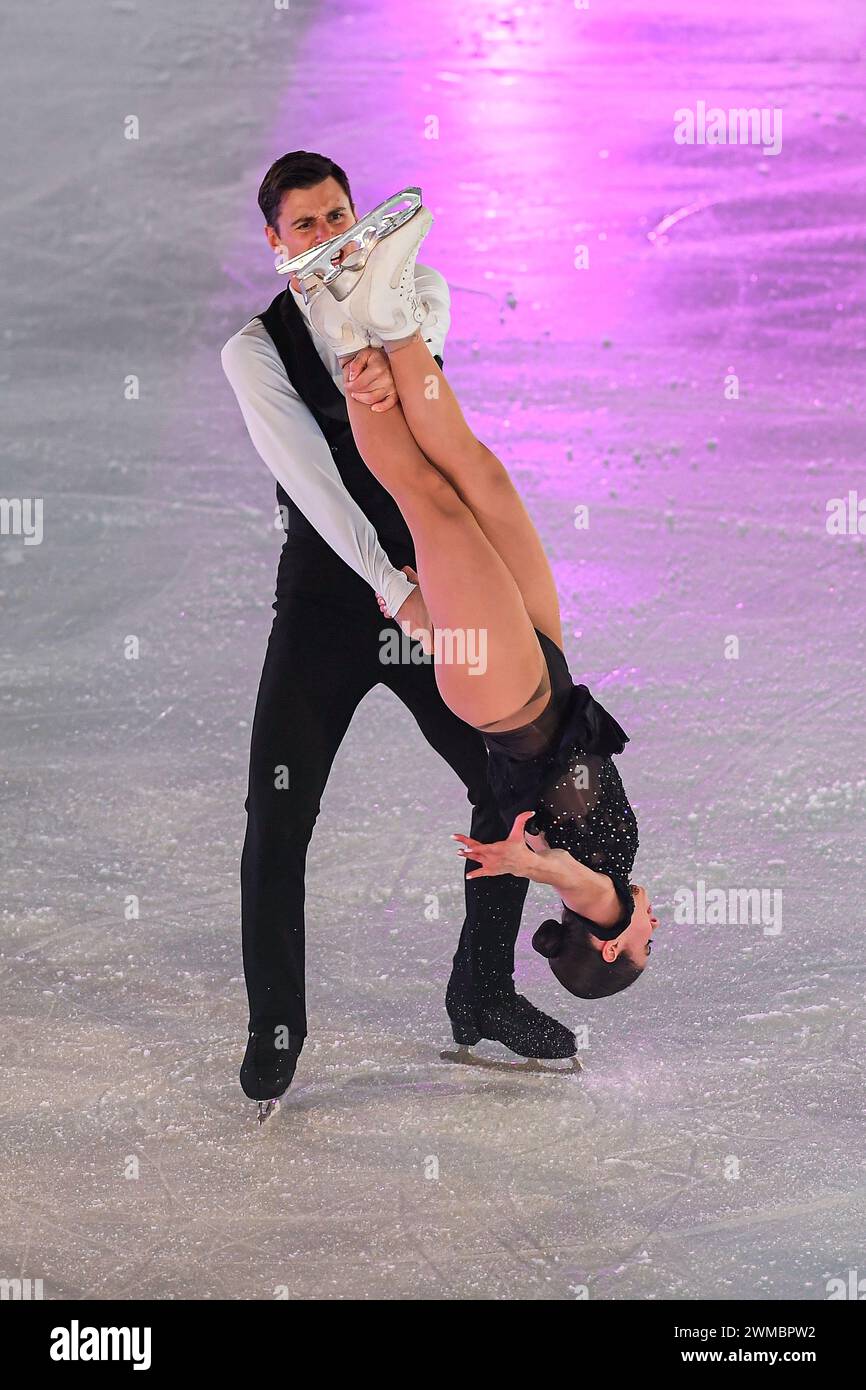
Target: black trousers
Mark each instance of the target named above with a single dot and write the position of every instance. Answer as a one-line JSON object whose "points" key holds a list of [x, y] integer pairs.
{"points": [[322, 659]]}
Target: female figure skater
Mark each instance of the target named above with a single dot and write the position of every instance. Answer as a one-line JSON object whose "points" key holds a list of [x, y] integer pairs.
{"points": [[482, 569]]}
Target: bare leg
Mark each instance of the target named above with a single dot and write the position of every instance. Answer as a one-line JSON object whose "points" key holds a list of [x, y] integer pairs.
{"points": [[467, 586], [434, 416]]}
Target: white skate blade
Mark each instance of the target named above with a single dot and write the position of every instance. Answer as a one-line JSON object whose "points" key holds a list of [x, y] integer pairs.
{"points": [[267, 1109], [549, 1066], [319, 262]]}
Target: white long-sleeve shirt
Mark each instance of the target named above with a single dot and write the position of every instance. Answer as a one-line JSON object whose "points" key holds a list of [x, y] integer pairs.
{"points": [[286, 436]]}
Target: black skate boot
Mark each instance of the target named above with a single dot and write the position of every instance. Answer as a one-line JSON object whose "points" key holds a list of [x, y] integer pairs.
{"points": [[267, 1069], [510, 1019]]}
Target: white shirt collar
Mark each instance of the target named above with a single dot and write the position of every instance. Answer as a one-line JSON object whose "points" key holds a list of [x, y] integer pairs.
{"points": [[299, 300]]}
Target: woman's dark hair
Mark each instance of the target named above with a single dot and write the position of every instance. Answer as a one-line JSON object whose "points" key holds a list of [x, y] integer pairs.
{"points": [[299, 169], [580, 967]]}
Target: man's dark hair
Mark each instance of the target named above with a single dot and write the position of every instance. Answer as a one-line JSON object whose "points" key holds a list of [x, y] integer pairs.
{"points": [[578, 966], [299, 169]]}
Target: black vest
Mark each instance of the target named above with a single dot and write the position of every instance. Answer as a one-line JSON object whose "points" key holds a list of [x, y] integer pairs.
{"points": [[305, 550]]}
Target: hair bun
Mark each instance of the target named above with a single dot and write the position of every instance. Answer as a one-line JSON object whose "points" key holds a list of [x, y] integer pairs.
{"points": [[548, 939]]}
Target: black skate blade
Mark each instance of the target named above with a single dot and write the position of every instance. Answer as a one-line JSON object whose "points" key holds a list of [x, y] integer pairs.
{"points": [[549, 1066], [267, 1108]]}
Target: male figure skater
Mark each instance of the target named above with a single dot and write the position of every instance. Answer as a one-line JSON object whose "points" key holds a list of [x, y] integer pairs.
{"points": [[345, 542]]}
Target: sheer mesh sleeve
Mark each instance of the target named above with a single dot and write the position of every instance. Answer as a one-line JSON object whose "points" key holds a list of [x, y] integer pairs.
{"points": [[585, 811]]}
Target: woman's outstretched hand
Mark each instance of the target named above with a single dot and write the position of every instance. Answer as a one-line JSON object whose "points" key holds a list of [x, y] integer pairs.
{"points": [[511, 856], [369, 380]]}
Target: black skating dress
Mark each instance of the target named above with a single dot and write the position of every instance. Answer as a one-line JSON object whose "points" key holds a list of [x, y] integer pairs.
{"points": [[560, 766]]}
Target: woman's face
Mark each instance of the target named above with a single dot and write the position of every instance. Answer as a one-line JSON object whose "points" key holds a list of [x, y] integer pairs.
{"points": [[637, 937]]}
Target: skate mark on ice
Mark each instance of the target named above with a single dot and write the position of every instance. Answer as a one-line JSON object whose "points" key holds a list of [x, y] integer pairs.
{"points": [[673, 218]]}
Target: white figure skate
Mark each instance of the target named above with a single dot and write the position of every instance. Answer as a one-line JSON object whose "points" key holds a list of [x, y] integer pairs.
{"points": [[384, 300], [339, 261], [333, 322]]}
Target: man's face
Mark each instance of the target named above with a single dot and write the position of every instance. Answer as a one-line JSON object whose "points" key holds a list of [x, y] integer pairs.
{"points": [[309, 216]]}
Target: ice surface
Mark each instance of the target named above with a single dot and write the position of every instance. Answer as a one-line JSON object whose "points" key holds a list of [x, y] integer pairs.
{"points": [[740, 1052]]}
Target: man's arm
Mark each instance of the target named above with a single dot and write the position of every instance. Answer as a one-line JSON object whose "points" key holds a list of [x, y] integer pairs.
{"points": [[287, 438]]}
